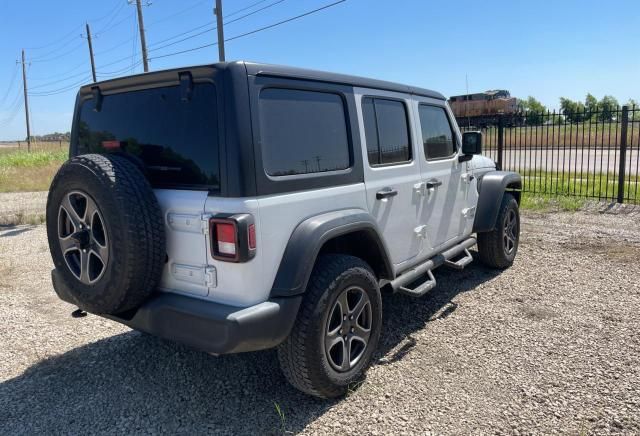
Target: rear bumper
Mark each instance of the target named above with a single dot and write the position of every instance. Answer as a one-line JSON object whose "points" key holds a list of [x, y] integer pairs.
{"points": [[212, 327]]}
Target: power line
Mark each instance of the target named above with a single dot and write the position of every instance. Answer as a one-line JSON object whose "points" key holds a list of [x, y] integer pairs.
{"points": [[55, 58], [245, 8], [13, 114], [54, 82], [251, 32], [10, 87], [60, 74], [75, 29], [214, 28], [114, 13], [61, 90], [120, 71], [182, 11], [114, 25], [211, 23], [183, 33]]}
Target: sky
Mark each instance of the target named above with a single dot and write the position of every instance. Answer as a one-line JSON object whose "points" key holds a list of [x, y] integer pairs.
{"points": [[547, 49]]}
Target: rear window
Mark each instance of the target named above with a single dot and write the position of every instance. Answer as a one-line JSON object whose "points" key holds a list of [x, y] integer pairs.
{"points": [[302, 132], [176, 139]]}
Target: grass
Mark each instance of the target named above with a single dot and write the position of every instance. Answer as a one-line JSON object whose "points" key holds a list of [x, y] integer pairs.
{"points": [[21, 171], [596, 186], [545, 202], [591, 135]]}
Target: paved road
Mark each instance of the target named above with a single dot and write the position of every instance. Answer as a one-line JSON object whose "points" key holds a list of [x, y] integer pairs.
{"points": [[554, 159]]}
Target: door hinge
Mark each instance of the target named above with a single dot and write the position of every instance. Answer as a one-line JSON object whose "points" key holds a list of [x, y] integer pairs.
{"points": [[204, 223], [420, 188], [469, 212], [421, 231], [467, 177], [210, 277]]}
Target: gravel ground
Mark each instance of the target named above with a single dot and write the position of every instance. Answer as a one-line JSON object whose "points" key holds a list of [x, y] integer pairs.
{"points": [[22, 207], [548, 346]]}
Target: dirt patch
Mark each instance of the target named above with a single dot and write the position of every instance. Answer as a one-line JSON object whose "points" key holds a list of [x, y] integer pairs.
{"points": [[616, 250]]}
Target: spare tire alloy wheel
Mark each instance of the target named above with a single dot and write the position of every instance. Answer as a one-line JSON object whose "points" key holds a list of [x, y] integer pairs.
{"points": [[348, 329], [106, 234], [83, 237]]}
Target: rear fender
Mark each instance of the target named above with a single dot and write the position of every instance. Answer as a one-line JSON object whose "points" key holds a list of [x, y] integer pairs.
{"points": [[311, 235]]}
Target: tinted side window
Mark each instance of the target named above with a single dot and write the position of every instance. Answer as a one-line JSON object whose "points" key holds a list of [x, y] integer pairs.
{"points": [[386, 131], [437, 135], [302, 132], [176, 140]]}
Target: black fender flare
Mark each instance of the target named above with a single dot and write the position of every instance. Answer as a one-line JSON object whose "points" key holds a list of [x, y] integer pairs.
{"points": [[307, 240], [491, 188]]}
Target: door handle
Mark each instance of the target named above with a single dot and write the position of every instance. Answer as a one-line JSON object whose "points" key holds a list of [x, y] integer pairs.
{"points": [[432, 184], [386, 193]]}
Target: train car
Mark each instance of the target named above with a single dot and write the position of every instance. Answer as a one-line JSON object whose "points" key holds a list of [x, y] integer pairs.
{"points": [[482, 109]]}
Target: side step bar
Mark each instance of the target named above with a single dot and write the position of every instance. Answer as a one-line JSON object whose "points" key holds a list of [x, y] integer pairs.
{"points": [[399, 283]]}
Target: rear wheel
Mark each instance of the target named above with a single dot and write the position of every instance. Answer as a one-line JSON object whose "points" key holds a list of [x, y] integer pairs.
{"points": [[337, 329], [498, 248]]}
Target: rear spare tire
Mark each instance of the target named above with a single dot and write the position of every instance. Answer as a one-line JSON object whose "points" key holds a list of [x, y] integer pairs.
{"points": [[106, 233]]}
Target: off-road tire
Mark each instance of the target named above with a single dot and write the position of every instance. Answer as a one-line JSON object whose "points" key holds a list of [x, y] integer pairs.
{"points": [[302, 355], [133, 222], [491, 245]]}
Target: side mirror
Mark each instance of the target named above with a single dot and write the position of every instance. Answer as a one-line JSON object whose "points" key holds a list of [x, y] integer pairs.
{"points": [[471, 143]]}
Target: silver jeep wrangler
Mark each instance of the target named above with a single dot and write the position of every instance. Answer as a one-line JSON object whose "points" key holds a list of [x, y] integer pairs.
{"points": [[240, 206]]}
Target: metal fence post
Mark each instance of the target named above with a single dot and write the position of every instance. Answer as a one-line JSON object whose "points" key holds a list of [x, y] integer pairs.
{"points": [[623, 152], [500, 141]]}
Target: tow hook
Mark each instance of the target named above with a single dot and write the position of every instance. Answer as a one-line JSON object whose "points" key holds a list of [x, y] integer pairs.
{"points": [[78, 313]]}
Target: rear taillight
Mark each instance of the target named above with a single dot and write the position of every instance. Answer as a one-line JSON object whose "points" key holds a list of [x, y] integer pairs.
{"points": [[233, 237]]}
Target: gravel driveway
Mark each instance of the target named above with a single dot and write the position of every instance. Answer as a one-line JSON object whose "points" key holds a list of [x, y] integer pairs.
{"points": [[549, 346]]}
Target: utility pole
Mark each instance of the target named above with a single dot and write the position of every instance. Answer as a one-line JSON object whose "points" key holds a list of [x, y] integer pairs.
{"points": [[26, 102], [143, 41], [93, 64], [219, 25]]}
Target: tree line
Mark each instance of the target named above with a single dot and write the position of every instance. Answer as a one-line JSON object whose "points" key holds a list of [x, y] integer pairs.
{"points": [[577, 111]]}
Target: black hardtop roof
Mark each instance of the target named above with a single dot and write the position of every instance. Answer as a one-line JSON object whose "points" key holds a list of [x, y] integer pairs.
{"points": [[257, 69], [323, 76]]}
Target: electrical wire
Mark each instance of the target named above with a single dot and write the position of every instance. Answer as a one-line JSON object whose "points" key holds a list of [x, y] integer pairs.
{"points": [[60, 90], [55, 58], [114, 25], [10, 87], [72, 70], [112, 48], [253, 31], [117, 72], [44, 85], [13, 112], [160, 20], [245, 8], [64, 38], [214, 28], [114, 13], [210, 23]]}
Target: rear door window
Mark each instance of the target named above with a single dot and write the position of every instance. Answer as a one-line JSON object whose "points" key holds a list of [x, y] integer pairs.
{"points": [[176, 139], [386, 131]]}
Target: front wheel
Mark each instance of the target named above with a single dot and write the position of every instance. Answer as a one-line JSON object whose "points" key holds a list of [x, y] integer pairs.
{"points": [[337, 329], [498, 248]]}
